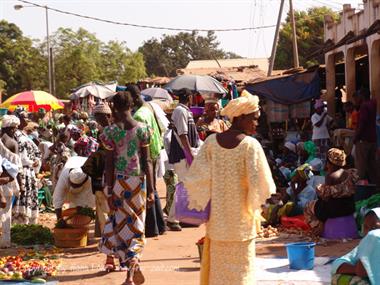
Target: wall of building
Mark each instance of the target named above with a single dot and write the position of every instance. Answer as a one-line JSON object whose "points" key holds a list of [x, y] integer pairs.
{"points": [[356, 22]]}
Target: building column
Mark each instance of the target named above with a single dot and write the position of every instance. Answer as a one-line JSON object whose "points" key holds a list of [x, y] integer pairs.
{"points": [[374, 68], [330, 83], [350, 73]]}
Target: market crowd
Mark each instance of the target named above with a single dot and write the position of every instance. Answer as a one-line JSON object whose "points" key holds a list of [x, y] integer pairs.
{"points": [[110, 160]]}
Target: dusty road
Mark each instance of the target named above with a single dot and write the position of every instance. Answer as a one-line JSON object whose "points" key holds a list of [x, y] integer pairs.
{"points": [[170, 259]]}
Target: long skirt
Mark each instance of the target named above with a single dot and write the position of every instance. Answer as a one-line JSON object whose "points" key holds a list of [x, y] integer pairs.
{"points": [[123, 235], [26, 209], [228, 262]]}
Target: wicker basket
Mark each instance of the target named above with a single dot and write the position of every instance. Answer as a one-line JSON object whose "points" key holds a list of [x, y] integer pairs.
{"points": [[66, 238], [74, 220]]}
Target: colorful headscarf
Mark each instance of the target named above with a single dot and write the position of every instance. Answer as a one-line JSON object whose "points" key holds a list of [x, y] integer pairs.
{"points": [[304, 171], [244, 105], [311, 149], [75, 130], [336, 157], [86, 145]]}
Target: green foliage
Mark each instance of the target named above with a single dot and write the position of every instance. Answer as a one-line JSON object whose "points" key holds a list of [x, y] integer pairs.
{"points": [[310, 31], [23, 66], [79, 57], [31, 235], [163, 57]]}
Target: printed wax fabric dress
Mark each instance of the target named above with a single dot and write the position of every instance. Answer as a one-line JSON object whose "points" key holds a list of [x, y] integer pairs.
{"points": [[238, 181], [123, 234], [25, 211]]}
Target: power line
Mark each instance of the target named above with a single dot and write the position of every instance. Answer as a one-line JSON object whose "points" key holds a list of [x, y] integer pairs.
{"points": [[145, 26]]}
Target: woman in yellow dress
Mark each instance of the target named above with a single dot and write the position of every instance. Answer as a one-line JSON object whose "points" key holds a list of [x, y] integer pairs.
{"points": [[235, 176]]}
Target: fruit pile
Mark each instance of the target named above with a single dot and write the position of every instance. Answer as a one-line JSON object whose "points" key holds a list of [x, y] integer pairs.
{"points": [[28, 266], [268, 232]]}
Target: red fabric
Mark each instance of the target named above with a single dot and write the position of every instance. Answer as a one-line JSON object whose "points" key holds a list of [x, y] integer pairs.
{"points": [[295, 222]]}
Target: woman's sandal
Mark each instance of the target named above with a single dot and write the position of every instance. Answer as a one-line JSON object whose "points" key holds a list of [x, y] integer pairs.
{"points": [[110, 264], [134, 273]]}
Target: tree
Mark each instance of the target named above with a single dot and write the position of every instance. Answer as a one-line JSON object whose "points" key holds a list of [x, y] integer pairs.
{"points": [[163, 57], [23, 66], [77, 59], [310, 31], [80, 58], [121, 64]]}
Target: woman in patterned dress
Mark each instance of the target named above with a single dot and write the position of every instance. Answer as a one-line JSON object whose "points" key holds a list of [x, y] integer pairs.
{"points": [[127, 163], [25, 211], [336, 196]]}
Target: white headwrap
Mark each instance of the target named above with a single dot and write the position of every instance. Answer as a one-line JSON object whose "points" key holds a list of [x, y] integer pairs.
{"points": [[244, 105], [10, 121], [291, 146]]}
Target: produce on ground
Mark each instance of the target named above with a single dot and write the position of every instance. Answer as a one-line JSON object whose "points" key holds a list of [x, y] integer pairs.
{"points": [[29, 266], [268, 232], [31, 235]]}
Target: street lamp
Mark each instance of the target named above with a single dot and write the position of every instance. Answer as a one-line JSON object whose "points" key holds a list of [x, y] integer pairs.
{"points": [[19, 7]]}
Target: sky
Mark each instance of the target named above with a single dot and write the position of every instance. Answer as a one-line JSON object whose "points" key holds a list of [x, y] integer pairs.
{"points": [[192, 14]]}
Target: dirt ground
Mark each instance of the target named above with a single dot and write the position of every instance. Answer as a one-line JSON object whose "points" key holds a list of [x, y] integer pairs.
{"points": [[169, 259]]}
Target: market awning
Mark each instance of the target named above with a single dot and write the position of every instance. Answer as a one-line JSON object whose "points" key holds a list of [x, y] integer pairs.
{"points": [[289, 89]]}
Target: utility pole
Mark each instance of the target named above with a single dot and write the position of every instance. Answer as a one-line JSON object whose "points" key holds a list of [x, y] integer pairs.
{"points": [[296, 63], [275, 40], [48, 50]]}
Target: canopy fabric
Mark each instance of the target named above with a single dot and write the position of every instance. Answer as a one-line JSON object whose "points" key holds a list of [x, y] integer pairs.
{"points": [[102, 91], [288, 90], [33, 100], [157, 94], [197, 83]]}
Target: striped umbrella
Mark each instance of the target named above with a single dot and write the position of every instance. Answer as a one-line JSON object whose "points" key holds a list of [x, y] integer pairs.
{"points": [[33, 100]]}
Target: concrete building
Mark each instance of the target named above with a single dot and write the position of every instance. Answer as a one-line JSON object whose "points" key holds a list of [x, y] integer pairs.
{"points": [[356, 35]]}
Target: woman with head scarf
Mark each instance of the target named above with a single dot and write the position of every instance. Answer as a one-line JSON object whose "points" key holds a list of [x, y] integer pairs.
{"points": [[9, 151], [128, 163], [361, 266], [321, 123], [25, 211], [231, 171], [336, 196], [209, 123], [306, 151]]}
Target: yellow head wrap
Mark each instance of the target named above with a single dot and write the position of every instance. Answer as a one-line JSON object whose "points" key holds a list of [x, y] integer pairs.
{"points": [[244, 105]]}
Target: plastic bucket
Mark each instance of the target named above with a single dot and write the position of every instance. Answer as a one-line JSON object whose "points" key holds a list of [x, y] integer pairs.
{"points": [[301, 255]]}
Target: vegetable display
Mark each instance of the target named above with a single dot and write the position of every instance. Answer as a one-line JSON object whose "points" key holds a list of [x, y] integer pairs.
{"points": [[31, 235], [35, 267]]}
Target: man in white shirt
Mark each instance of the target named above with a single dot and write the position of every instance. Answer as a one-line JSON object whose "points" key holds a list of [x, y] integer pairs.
{"points": [[73, 186], [321, 137]]}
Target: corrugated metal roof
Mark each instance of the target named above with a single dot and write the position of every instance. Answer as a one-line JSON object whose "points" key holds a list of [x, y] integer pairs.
{"points": [[262, 63]]}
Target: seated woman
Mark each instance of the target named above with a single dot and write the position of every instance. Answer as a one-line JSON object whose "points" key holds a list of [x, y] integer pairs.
{"points": [[289, 155], [291, 201], [361, 266], [306, 152], [300, 192], [336, 196]]}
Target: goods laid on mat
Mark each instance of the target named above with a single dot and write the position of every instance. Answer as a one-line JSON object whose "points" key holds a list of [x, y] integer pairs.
{"points": [[31, 266], [268, 232], [31, 235]]}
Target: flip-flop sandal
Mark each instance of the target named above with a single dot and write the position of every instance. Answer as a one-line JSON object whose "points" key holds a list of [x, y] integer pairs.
{"points": [[110, 265], [138, 277]]}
